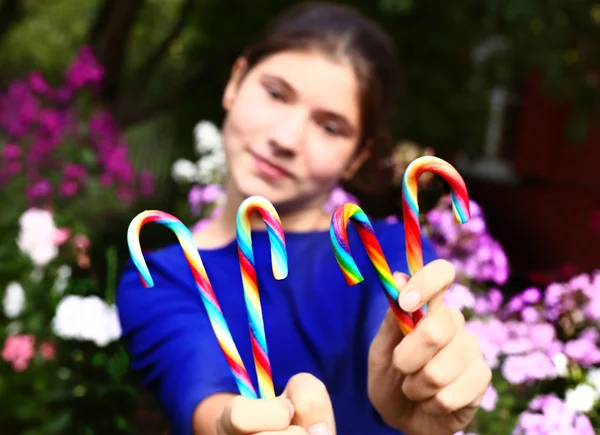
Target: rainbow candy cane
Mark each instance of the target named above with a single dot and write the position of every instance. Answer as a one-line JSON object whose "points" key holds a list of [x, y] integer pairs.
{"points": [[251, 294], [203, 285], [410, 208], [341, 248]]}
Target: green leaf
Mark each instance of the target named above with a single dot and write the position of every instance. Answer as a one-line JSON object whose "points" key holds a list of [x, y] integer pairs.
{"points": [[88, 157], [100, 359], [396, 6], [59, 424]]}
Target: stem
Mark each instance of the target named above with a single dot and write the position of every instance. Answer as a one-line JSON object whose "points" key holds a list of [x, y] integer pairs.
{"points": [[111, 274]]}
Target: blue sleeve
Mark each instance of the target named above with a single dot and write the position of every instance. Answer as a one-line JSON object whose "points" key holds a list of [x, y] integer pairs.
{"points": [[393, 243], [169, 337]]}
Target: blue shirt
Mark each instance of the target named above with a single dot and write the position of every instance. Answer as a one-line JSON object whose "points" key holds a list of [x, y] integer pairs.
{"points": [[314, 323]]}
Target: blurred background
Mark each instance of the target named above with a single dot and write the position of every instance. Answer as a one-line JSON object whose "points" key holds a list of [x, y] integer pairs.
{"points": [[111, 107]]}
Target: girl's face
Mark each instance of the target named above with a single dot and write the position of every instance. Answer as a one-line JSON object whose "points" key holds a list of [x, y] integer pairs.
{"points": [[292, 127]]}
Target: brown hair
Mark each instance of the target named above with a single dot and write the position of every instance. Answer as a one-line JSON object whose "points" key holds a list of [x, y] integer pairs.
{"points": [[339, 30]]}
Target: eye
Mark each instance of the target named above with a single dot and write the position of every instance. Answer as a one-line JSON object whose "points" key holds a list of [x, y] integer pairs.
{"points": [[331, 128], [275, 93]]}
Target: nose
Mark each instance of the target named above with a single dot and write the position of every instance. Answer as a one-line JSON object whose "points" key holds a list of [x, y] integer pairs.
{"points": [[288, 133]]}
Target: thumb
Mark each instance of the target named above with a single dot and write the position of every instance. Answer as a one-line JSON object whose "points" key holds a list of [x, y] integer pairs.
{"points": [[313, 410], [389, 334], [246, 416]]}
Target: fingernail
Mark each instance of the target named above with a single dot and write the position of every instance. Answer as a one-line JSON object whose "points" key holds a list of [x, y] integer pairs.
{"points": [[410, 300], [318, 429], [400, 277]]}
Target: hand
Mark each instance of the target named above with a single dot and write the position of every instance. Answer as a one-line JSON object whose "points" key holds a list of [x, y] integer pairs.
{"points": [[303, 408], [433, 380]]}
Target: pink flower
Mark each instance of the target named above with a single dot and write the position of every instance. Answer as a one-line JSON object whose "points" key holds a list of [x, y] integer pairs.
{"points": [[530, 315], [195, 199], [85, 70], [146, 183], [63, 95], [200, 225], [211, 193], [392, 219], [38, 83], [197, 196], [583, 351], [551, 415], [18, 350], [69, 188], [82, 242], [106, 179], [536, 366], [74, 171], [459, 297], [583, 425], [51, 121], [39, 189], [19, 109], [490, 398], [61, 235], [102, 125], [11, 151], [203, 223], [47, 350], [14, 168], [338, 197], [590, 334]]}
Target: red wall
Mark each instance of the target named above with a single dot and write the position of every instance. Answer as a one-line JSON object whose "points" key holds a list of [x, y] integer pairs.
{"points": [[541, 228], [547, 221], [542, 150]]}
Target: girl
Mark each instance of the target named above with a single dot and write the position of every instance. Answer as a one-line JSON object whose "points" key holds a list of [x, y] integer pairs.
{"points": [[308, 106]]}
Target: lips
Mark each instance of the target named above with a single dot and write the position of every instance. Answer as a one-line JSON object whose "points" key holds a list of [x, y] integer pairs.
{"points": [[270, 170]]}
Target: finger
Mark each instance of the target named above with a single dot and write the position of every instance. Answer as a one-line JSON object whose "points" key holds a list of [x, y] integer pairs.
{"points": [[434, 332], [389, 334], [445, 368], [292, 430], [427, 286], [313, 410], [466, 392], [243, 416]]}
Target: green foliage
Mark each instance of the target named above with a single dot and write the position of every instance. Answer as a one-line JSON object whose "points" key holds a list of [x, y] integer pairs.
{"points": [[60, 26], [445, 88]]}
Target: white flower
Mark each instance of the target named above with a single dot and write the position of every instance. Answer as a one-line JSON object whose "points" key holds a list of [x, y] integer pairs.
{"points": [[37, 274], [218, 158], [44, 254], [63, 273], [60, 285], [36, 236], [208, 137], [184, 171], [581, 398], [88, 319], [14, 300], [561, 362], [206, 170], [211, 166], [593, 378]]}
